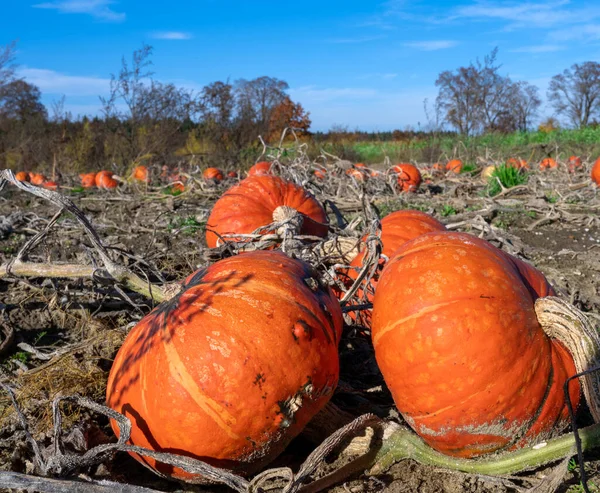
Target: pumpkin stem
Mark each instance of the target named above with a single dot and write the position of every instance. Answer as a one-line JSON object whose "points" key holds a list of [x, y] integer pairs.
{"points": [[561, 320], [288, 223]]}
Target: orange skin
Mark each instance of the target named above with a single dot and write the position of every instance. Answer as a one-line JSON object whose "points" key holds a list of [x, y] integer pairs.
{"points": [[357, 173], [22, 176], [141, 173], [104, 179], [88, 180], [319, 173], [396, 229], [207, 373], [232, 174], [517, 163], [437, 167], [37, 179], [249, 205], [595, 175], [454, 165], [548, 163], [213, 174], [409, 177], [574, 164], [459, 345], [261, 168], [50, 185]]}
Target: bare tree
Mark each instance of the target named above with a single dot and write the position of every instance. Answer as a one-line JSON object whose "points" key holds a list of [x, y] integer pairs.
{"points": [[575, 93], [257, 98], [525, 102], [7, 65]]}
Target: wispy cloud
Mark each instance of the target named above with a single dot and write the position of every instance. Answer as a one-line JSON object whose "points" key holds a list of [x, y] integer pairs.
{"points": [[529, 14], [51, 82], [538, 49], [171, 35], [431, 45], [360, 39], [100, 9], [587, 32], [315, 94]]}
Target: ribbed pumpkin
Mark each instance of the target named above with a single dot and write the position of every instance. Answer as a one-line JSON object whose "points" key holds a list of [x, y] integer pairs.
{"points": [[232, 368], [261, 168], [595, 175], [409, 177], [104, 179], [22, 176], [141, 173], [213, 174], [459, 345], [548, 163], [88, 180], [396, 229], [256, 202], [574, 164], [454, 165]]}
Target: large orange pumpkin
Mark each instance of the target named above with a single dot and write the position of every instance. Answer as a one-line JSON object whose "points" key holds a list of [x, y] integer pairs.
{"points": [[261, 168], [459, 345], [596, 172], [22, 176], [141, 173], [396, 229], [88, 180], [548, 163], [252, 203], [574, 164], [213, 174], [232, 368], [104, 179], [454, 165], [409, 177]]}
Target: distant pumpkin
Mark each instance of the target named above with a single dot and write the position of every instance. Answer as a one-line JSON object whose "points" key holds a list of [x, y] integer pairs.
{"points": [[320, 173], [88, 180], [261, 168], [232, 174], [454, 165], [105, 180], [574, 164], [37, 178], [517, 163], [214, 174], [140, 173], [548, 163], [408, 176], [50, 185], [22, 176], [596, 172]]}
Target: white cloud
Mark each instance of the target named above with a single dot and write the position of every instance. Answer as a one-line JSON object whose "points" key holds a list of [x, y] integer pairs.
{"points": [[99, 9], [172, 35], [586, 32], [431, 45], [558, 13], [52, 82], [549, 48]]}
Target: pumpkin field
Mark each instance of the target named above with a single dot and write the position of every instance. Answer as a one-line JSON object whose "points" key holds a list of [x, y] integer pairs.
{"points": [[307, 324]]}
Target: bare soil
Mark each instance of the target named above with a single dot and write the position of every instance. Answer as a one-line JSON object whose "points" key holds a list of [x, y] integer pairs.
{"points": [[549, 224]]}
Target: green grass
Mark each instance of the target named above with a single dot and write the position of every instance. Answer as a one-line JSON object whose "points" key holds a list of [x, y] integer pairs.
{"points": [[508, 176], [188, 225], [447, 210]]}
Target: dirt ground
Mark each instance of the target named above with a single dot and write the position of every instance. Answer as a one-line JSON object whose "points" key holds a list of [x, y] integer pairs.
{"points": [[75, 326]]}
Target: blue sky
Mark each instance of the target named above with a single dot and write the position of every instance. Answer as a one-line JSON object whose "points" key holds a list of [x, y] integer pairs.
{"points": [[361, 64]]}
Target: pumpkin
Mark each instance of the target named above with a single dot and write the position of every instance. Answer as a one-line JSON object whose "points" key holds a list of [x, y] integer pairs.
{"points": [[37, 178], [231, 369], [436, 168], [375, 173], [548, 163], [517, 163], [88, 180], [396, 229], [488, 172], [232, 174], [177, 187], [214, 174], [408, 176], [457, 340], [257, 201], [140, 173], [596, 172], [50, 185], [358, 174], [104, 179], [22, 176], [261, 168], [454, 165], [320, 172], [574, 164]]}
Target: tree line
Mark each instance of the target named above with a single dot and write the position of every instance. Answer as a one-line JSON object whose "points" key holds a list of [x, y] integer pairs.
{"points": [[145, 120]]}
